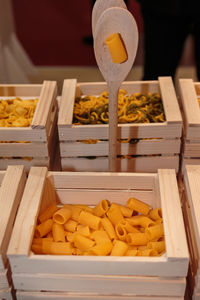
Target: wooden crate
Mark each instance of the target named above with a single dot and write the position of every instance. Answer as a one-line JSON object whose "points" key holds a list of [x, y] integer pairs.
{"points": [[191, 211], [158, 144], [12, 182], [42, 135], [189, 93], [93, 277]]}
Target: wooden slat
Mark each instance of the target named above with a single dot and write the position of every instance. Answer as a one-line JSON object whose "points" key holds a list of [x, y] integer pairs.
{"points": [[96, 88], [24, 295], [41, 161], [92, 197], [131, 285], [22, 134], [11, 191], [45, 103], [4, 284], [95, 180], [192, 149], [190, 103], [67, 102], [20, 90], [150, 130], [142, 147], [6, 294], [24, 149], [175, 237], [170, 103], [28, 211], [138, 164]]}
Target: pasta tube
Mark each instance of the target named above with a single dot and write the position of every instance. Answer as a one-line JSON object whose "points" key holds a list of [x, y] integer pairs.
{"points": [[100, 236], [138, 206], [100, 209], [158, 246], [44, 228], [86, 218], [62, 215], [154, 232], [155, 214], [101, 249], [108, 227], [58, 232], [70, 225], [121, 232], [57, 248], [116, 48], [83, 243], [137, 238], [48, 213], [119, 248], [140, 221], [114, 214]]}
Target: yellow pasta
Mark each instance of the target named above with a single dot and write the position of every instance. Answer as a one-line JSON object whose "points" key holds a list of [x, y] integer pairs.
{"points": [[44, 228], [70, 225], [131, 252], [114, 214], [154, 232], [147, 252], [86, 218], [74, 210], [82, 242], [116, 48], [140, 221], [101, 249], [120, 232], [137, 238], [119, 248], [100, 209], [100, 236], [83, 230], [108, 227], [58, 232], [158, 246], [48, 213], [57, 248], [155, 214], [62, 215], [127, 226], [138, 206]]}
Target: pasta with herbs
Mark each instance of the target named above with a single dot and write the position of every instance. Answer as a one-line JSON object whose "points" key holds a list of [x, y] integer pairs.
{"points": [[134, 108], [134, 229]]}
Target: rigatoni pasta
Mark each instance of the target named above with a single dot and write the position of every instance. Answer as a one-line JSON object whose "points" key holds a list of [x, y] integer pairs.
{"points": [[106, 229]]}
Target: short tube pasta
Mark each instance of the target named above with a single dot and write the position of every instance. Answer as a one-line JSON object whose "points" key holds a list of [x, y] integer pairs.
{"points": [[86, 218], [108, 227], [100, 209], [48, 213], [116, 48], [137, 238], [70, 225], [155, 214], [154, 232], [138, 206], [62, 215], [114, 214], [83, 243], [58, 232], [119, 248], [44, 228], [121, 232], [101, 249], [57, 248]]}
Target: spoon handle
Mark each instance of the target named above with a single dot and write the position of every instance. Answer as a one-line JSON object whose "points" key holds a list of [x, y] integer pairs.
{"points": [[113, 89]]}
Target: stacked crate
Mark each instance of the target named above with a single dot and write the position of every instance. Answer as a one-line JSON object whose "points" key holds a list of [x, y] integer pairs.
{"points": [[12, 182], [189, 95], [157, 146], [191, 210], [41, 138], [55, 277]]}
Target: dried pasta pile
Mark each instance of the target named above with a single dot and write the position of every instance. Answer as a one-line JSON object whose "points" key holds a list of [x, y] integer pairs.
{"points": [[106, 229], [17, 112], [135, 108]]}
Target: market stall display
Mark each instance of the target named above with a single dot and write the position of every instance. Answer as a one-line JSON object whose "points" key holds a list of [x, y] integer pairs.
{"points": [[28, 124], [66, 275]]}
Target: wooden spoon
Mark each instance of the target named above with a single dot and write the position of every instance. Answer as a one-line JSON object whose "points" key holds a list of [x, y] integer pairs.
{"points": [[114, 20], [100, 6]]}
